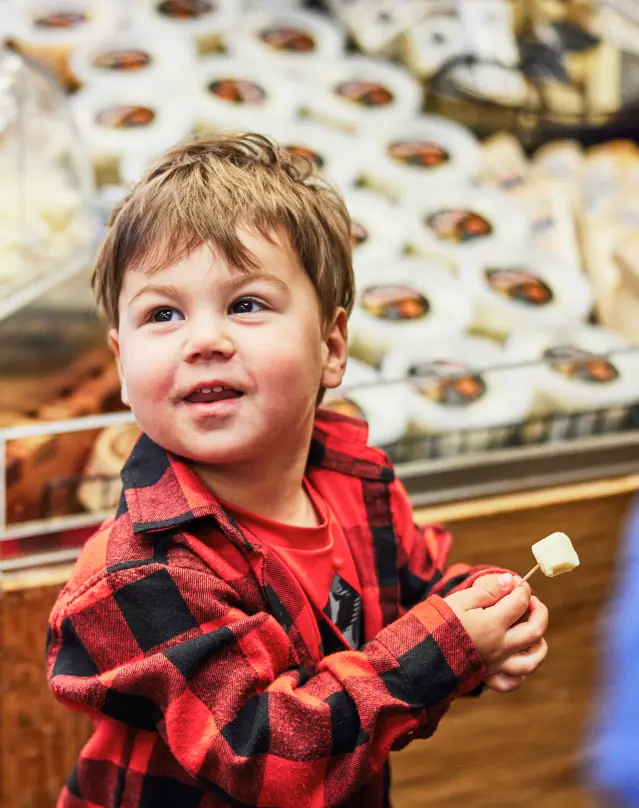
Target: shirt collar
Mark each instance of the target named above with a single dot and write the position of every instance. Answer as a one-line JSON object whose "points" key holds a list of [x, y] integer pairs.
{"points": [[162, 491]]}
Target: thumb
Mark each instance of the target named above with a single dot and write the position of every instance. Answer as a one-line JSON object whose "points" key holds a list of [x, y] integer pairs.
{"points": [[488, 590]]}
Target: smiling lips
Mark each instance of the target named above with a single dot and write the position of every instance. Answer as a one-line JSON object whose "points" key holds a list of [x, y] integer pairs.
{"points": [[209, 395]]}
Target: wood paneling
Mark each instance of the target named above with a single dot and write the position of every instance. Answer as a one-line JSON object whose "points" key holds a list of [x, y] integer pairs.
{"points": [[514, 751]]}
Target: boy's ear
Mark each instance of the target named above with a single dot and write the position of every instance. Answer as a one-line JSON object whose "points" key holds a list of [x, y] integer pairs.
{"points": [[114, 344], [336, 351]]}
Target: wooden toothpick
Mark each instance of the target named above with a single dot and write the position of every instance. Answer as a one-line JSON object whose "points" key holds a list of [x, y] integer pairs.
{"points": [[532, 572]]}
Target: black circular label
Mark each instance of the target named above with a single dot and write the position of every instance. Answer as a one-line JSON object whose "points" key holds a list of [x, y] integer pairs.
{"points": [[125, 117], [344, 406], [127, 60], [394, 302], [61, 20], [238, 91], [308, 154], [458, 226], [451, 384], [359, 234], [288, 39], [365, 93], [521, 285], [584, 366], [418, 153], [185, 9]]}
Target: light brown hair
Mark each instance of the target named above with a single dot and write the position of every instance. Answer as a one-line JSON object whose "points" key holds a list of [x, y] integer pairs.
{"points": [[201, 191]]}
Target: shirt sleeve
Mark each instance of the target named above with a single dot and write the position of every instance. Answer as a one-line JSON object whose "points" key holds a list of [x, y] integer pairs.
{"points": [[173, 650], [422, 554]]}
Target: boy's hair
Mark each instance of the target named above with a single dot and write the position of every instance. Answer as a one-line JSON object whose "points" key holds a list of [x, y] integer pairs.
{"points": [[201, 191]]}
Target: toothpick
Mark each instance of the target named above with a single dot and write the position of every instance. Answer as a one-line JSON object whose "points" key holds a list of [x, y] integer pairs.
{"points": [[532, 572]]}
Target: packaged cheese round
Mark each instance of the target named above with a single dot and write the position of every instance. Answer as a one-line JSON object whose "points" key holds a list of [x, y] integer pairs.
{"points": [[380, 230], [102, 486], [408, 299], [204, 22], [460, 383], [233, 95], [133, 56], [464, 222], [579, 368], [416, 157], [514, 288], [431, 43], [336, 155], [293, 40], [114, 121], [357, 92]]}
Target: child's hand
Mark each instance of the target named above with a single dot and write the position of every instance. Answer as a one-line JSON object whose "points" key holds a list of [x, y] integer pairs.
{"points": [[489, 612]]}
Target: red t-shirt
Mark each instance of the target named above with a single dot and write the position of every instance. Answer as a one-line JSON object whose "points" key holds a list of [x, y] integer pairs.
{"points": [[320, 559]]}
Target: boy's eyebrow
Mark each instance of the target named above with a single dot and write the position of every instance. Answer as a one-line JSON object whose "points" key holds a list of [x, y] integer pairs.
{"points": [[159, 288], [243, 278]]}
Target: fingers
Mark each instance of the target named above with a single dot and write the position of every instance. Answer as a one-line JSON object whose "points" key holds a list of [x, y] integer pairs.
{"points": [[488, 590], [526, 662], [511, 607], [503, 683], [524, 635]]}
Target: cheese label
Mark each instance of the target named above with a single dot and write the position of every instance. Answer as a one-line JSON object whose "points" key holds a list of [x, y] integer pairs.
{"points": [[458, 226], [185, 9], [575, 363], [307, 153], [288, 39], [125, 116], [418, 153], [125, 59], [520, 285], [394, 302], [61, 20], [438, 383], [365, 93], [344, 406], [359, 234], [238, 91]]}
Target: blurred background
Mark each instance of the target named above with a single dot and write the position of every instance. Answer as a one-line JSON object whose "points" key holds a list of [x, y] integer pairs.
{"points": [[487, 151]]}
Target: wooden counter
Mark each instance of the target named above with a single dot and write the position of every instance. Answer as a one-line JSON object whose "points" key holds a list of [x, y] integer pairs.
{"points": [[514, 751]]}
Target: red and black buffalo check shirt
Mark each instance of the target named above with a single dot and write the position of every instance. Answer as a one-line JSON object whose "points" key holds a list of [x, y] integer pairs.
{"points": [[196, 650]]}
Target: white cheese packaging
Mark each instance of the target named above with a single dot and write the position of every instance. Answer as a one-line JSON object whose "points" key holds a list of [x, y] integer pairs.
{"points": [[461, 223], [515, 288], [293, 40], [233, 95], [357, 92], [382, 406], [461, 383], [334, 154], [132, 118], [204, 22], [409, 299], [380, 230], [418, 157], [134, 56]]}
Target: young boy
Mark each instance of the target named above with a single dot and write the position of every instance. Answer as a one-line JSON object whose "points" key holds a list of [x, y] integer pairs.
{"points": [[261, 623]]}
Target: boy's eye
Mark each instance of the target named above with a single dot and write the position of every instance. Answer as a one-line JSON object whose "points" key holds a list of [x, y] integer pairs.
{"points": [[164, 314], [247, 305]]}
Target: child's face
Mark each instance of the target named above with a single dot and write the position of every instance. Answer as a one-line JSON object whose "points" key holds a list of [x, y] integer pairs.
{"points": [[202, 324]]}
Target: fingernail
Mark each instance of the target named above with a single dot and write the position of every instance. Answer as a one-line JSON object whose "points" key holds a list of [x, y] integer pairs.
{"points": [[505, 580]]}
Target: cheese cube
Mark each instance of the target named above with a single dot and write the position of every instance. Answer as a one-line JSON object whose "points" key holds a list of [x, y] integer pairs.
{"points": [[555, 554]]}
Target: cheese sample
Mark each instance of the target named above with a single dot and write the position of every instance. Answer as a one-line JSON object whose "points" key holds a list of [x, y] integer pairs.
{"points": [[420, 156], [380, 230], [408, 299], [515, 288], [555, 554], [204, 22], [358, 92], [295, 41], [234, 95]]}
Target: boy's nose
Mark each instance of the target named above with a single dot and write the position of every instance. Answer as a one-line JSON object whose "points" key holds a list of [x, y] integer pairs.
{"points": [[206, 341]]}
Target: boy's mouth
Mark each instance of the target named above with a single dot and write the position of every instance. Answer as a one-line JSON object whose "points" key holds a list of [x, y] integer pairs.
{"points": [[209, 395]]}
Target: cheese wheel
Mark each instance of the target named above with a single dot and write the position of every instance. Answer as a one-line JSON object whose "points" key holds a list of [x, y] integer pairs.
{"points": [[134, 56], [102, 486], [406, 299], [357, 92], [204, 22], [291, 40], [515, 288], [380, 230], [465, 222], [233, 95], [432, 43], [460, 383], [384, 408], [420, 156]]}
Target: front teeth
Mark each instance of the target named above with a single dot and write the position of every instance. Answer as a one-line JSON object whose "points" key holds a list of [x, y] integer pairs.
{"points": [[210, 389]]}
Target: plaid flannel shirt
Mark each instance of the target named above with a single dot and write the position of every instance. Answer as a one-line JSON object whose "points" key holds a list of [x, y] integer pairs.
{"points": [[195, 649]]}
